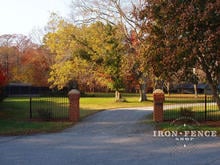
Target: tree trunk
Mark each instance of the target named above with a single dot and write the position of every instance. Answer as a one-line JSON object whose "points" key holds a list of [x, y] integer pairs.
{"points": [[117, 96], [214, 89], [168, 88], [195, 90], [142, 90]]}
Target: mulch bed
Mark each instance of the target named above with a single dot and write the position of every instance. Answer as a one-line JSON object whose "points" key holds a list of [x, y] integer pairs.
{"points": [[211, 123]]}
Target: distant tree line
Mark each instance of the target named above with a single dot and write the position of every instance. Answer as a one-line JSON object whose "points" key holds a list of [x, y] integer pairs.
{"points": [[127, 45]]}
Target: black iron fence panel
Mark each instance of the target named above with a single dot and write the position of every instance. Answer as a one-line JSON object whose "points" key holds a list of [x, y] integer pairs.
{"points": [[49, 108], [200, 108], [25, 90]]}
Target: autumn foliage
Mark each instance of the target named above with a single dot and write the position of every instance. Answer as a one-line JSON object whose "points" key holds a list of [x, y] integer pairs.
{"points": [[3, 77], [23, 61], [184, 35], [121, 49], [3, 81]]}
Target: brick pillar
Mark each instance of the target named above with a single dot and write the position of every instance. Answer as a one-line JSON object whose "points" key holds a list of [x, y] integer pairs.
{"points": [[159, 98], [74, 96]]}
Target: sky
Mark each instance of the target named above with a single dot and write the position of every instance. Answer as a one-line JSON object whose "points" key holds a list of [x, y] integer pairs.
{"points": [[22, 16]]}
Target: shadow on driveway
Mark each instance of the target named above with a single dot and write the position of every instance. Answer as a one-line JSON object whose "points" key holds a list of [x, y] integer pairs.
{"points": [[110, 137]]}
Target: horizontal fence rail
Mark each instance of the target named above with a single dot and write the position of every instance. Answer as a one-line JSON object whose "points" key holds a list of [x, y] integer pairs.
{"points": [[49, 108], [201, 108]]}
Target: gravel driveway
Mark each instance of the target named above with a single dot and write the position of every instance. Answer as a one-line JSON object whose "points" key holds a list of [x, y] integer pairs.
{"points": [[113, 137]]}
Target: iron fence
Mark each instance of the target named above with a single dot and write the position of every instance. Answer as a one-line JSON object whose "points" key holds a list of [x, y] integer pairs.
{"points": [[49, 108], [200, 108]]}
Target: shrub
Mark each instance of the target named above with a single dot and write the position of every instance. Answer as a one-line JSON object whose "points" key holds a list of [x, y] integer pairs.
{"points": [[45, 114], [186, 112]]}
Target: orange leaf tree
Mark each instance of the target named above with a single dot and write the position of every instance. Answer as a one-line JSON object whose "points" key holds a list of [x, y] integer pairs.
{"points": [[3, 81], [185, 34]]}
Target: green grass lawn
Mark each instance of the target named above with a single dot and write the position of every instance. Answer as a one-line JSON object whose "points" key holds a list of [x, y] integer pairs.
{"points": [[170, 126], [14, 112], [196, 112], [186, 98]]}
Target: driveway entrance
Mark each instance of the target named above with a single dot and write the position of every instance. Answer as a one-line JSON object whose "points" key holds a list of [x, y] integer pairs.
{"points": [[112, 137]]}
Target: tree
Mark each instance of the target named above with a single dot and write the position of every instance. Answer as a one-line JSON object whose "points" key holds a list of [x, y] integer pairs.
{"points": [[3, 77], [3, 82], [36, 64], [8, 60], [185, 34], [67, 65], [24, 61], [87, 54], [124, 13]]}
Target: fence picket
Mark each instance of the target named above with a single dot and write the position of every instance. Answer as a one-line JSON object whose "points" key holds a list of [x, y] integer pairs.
{"points": [[49, 108]]}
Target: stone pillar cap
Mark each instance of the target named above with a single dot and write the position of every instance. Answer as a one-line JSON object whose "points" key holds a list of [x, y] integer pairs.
{"points": [[73, 91], [159, 91]]}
